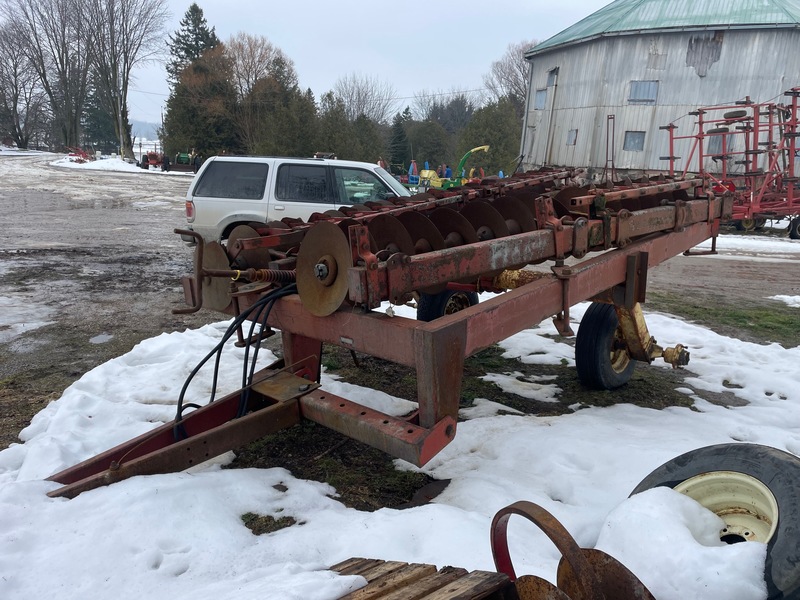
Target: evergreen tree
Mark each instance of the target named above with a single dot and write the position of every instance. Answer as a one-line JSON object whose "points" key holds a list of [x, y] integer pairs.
{"points": [[200, 109], [285, 119], [453, 114], [430, 142], [369, 143], [399, 148], [99, 130], [190, 42], [498, 126], [335, 130]]}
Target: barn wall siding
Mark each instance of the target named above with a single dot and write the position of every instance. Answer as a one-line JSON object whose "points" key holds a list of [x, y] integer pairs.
{"points": [[592, 80]]}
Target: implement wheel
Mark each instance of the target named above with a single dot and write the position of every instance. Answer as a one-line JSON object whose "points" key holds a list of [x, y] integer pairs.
{"points": [[753, 489], [433, 306], [746, 225], [601, 355], [794, 228]]}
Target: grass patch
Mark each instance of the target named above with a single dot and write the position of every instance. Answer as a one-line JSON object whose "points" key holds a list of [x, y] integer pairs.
{"points": [[364, 478], [767, 322], [261, 524]]}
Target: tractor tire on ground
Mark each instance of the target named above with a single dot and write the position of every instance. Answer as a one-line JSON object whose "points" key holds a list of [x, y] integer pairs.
{"points": [[745, 224], [794, 228], [601, 359], [433, 306], [753, 488]]}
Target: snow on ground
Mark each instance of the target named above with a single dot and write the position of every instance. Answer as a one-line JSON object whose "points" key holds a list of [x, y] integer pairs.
{"points": [[181, 536], [111, 163]]}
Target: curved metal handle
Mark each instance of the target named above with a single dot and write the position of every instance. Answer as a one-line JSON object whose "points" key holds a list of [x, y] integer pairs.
{"points": [[553, 529]]}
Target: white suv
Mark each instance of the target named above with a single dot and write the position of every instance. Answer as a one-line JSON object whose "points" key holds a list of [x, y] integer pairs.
{"points": [[233, 190]]}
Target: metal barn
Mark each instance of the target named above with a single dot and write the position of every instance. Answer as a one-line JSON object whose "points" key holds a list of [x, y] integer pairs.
{"points": [[600, 89]]}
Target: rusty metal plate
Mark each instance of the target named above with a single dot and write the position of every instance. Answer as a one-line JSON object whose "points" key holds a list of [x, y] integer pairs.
{"points": [[614, 580], [322, 264], [284, 386], [216, 290]]}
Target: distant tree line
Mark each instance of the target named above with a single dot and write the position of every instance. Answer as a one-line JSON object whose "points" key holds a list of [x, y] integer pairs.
{"points": [[65, 68]]}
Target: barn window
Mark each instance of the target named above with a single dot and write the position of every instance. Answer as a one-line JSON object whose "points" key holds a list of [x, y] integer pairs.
{"points": [[552, 76], [643, 92], [572, 137], [540, 99], [634, 141]]}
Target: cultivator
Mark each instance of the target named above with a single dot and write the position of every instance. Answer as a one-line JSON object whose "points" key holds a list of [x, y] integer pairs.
{"points": [[320, 282], [749, 149]]}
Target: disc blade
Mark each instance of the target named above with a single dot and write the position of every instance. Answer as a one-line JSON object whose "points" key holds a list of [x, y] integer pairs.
{"points": [[216, 290], [322, 264], [257, 258]]}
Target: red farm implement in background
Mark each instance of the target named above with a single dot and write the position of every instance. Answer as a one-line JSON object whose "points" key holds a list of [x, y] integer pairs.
{"points": [[749, 149]]}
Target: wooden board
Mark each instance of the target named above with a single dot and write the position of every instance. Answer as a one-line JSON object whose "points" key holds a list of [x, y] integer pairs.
{"points": [[392, 580]]}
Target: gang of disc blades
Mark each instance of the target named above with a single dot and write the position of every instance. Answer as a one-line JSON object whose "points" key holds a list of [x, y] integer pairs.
{"points": [[257, 258], [389, 234], [322, 264], [424, 234], [489, 224], [518, 218], [455, 229], [426, 238], [216, 290]]}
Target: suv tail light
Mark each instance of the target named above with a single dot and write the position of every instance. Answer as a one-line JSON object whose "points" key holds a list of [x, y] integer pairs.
{"points": [[189, 211]]}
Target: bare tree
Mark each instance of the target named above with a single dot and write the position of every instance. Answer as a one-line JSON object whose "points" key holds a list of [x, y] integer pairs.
{"points": [[55, 41], [253, 58], [368, 96], [125, 34], [508, 77], [22, 100], [265, 81], [426, 102]]}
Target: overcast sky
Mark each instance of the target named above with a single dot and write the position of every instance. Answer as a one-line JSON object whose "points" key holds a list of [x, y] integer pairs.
{"points": [[414, 45]]}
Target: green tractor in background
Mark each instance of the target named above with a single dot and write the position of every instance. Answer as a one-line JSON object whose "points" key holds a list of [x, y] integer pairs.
{"points": [[430, 179]]}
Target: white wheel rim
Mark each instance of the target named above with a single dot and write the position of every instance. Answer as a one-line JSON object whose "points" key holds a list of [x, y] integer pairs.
{"points": [[747, 506]]}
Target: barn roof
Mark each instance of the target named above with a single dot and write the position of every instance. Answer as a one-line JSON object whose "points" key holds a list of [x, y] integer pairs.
{"points": [[640, 16]]}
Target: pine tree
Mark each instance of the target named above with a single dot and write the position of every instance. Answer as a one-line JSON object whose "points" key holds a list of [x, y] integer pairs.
{"points": [[399, 148], [190, 42], [200, 110]]}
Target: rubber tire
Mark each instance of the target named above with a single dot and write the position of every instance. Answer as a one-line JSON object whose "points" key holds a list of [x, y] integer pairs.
{"points": [[593, 346], [718, 130], [777, 470], [735, 114], [794, 228], [745, 224], [760, 223], [433, 306]]}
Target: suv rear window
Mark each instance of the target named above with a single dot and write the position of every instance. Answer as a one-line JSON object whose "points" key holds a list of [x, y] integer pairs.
{"points": [[302, 183], [240, 180]]}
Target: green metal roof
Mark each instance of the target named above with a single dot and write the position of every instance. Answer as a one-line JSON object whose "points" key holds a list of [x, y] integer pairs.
{"points": [[635, 16]]}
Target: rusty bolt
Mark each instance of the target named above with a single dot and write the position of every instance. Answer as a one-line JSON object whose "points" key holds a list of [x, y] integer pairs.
{"points": [[320, 271]]}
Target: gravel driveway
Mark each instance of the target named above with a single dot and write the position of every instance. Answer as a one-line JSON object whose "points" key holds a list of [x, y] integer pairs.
{"points": [[93, 256]]}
